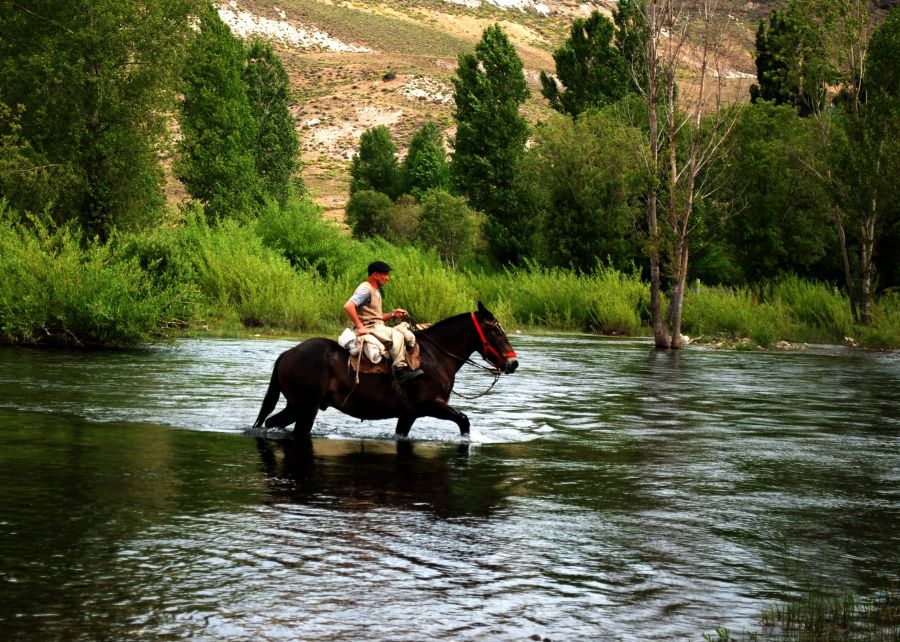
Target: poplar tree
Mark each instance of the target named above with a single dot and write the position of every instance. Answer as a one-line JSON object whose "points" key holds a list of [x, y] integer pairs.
{"points": [[217, 161], [490, 141], [277, 146], [374, 167], [425, 166], [589, 67]]}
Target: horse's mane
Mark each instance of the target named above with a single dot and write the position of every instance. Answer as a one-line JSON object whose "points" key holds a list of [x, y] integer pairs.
{"points": [[443, 324]]}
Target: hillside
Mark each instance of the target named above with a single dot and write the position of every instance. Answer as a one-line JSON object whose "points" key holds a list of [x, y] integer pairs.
{"points": [[354, 65]]}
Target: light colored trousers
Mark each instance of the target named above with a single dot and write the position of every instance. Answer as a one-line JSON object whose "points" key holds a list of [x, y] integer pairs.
{"points": [[395, 339]]}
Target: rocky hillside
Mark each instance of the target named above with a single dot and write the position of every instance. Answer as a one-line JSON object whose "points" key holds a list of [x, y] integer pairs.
{"points": [[354, 65]]}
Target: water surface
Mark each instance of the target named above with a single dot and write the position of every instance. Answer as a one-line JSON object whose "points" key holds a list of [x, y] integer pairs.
{"points": [[608, 492]]}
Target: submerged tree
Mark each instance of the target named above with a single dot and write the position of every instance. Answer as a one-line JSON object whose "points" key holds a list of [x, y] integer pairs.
{"points": [[680, 145]]}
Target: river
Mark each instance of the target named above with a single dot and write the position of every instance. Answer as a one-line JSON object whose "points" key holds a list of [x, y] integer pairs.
{"points": [[608, 491]]}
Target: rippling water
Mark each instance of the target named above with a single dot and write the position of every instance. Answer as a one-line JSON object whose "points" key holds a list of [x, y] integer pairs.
{"points": [[608, 492]]}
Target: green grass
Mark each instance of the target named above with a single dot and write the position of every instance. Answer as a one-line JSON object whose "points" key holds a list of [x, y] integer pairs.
{"points": [[291, 272], [57, 288]]}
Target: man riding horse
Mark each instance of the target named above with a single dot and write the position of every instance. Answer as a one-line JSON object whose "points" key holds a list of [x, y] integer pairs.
{"points": [[364, 310]]}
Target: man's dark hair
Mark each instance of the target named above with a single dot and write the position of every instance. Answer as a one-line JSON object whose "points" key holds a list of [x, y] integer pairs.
{"points": [[378, 266]]}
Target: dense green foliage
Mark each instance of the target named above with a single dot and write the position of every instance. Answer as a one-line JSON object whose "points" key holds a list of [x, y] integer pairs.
{"points": [[779, 220], [277, 146], [217, 162], [587, 180], [425, 166], [449, 226], [374, 167], [590, 68], [89, 85], [791, 64], [490, 142]]}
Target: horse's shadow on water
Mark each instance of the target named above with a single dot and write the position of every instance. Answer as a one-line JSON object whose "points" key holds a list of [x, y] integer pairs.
{"points": [[360, 475]]}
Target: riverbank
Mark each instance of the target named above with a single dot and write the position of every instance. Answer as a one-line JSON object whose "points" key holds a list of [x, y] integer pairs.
{"points": [[289, 273]]}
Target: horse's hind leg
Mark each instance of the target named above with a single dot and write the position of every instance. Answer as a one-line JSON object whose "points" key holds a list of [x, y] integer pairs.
{"points": [[283, 418], [305, 416]]}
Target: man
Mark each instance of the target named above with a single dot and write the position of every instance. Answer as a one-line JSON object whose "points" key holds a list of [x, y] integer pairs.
{"points": [[364, 310]]}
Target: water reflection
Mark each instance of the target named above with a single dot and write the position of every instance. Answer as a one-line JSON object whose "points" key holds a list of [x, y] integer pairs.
{"points": [[365, 474], [609, 492]]}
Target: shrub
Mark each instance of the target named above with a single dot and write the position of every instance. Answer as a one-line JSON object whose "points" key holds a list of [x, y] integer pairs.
{"points": [[298, 232], [448, 226], [369, 214], [55, 288]]}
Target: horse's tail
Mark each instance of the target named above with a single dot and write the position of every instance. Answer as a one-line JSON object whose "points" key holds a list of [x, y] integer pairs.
{"points": [[271, 398]]}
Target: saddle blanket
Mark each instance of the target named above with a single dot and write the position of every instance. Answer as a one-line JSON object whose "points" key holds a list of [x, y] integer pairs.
{"points": [[360, 363]]}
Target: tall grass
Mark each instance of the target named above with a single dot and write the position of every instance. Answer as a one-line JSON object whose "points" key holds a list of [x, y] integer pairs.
{"points": [[792, 309], [55, 287], [607, 301], [236, 273], [290, 271]]}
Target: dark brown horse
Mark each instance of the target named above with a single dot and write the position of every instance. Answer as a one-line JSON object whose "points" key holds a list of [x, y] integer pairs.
{"points": [[315, 375]]}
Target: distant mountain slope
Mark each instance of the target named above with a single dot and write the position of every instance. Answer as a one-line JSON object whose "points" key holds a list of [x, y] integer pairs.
{"points": [[356, 65]]}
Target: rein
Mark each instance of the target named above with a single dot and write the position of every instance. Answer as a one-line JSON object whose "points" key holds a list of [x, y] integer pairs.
{"points": [[495, 371]]}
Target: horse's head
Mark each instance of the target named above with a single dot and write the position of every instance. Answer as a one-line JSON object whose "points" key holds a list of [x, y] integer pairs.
{"points": [[495, 347]]}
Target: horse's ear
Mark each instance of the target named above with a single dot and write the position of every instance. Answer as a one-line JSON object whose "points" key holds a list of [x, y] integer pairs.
{"points": [[485, 312]]}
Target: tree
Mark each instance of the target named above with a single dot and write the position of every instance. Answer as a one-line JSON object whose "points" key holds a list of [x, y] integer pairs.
{"points": [[864, 160], [448, 225], [780, 221], [587, 182], [589, 67], [369, 213], [374, 167], [791, 64], [688, 138], [425, 166], [277, 146], [490, 141], [217, 159], [95, 81], [632, 35]]}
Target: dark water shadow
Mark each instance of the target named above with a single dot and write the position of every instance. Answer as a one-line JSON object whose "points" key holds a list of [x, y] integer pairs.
{"points": [[367, 474]]}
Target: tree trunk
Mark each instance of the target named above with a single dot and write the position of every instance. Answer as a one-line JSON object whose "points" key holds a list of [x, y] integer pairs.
{"points": [[676, 305], [848, 275]]}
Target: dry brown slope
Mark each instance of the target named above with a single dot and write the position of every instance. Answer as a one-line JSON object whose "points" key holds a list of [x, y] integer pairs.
{"points": [[403, 78]]}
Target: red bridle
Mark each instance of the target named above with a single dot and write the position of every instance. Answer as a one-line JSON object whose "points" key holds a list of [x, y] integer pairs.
{"points": [[487, 348]]}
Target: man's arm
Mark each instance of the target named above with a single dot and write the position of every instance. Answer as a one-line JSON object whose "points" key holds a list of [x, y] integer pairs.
{"points": [[350, 309]]}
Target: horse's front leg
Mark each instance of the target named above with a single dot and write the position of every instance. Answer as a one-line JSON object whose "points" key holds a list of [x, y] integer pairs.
{"points": [[404, 425], [446, 411]]}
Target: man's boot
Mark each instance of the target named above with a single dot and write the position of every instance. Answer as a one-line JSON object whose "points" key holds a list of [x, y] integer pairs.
{"points": [[405, 374]]}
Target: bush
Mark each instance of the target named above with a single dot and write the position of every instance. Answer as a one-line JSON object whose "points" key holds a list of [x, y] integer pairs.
{"points": [[448, 226], [298, 232], [369, 214], [404, 221], [54, 288]]}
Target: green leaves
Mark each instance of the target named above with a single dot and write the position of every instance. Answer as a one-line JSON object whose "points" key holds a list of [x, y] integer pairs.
{"points": [[490, 141]]}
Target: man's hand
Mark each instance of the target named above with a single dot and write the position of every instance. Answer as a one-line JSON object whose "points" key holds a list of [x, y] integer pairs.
{"points": [[399, 312]]}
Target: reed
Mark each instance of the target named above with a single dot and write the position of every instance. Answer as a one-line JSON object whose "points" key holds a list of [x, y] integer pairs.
{"points": [[55, 287]]}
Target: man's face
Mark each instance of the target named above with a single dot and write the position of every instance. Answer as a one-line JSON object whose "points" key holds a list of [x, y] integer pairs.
{"points": [[381, 278]]}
